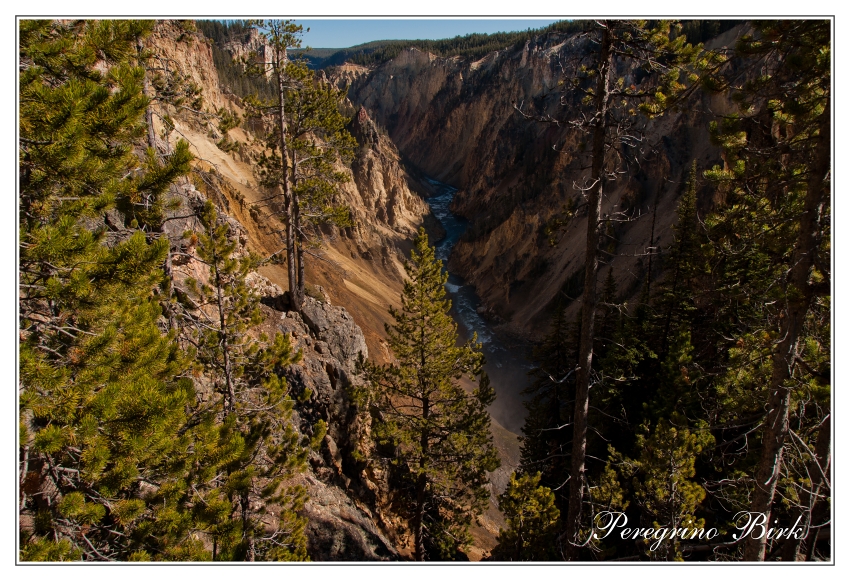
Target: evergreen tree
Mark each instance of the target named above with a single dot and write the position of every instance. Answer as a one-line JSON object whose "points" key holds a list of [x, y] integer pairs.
{"points": [[663, 483], [102, 397], [614, 103], [777, 186], [439, 433], [254, 408], [304, 137], [532, 519]]}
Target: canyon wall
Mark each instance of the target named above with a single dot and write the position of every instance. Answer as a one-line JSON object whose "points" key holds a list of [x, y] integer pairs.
{"points": [[354, 275], [458, 121], [359, 267]]}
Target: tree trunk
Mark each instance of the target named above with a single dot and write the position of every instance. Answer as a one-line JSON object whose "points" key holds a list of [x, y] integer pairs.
{"points": [[167, 269], [421, 486], [288, 199], [148, 94], [816, 466], [230, 393], [820, 516], [591, 267], [799, 298], [299, 246], [418, 519]]}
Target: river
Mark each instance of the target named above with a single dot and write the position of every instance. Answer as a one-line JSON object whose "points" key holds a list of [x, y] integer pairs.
{"points": [[506, 364]]}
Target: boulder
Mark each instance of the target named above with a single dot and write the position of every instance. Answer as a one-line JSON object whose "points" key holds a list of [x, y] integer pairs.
{"points": [[335, 327]]}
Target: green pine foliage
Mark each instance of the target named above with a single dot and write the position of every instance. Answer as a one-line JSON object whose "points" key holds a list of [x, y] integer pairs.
{"points": [[316, 141], [771, 242], [304, 143], [663, 480], [724, 368], [532, 519], [102, 391], [128, 450], [437, 432], [256, 449]]}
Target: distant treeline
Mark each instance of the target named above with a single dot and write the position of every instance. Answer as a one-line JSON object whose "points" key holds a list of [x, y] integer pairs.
{"points": [[473, 46], [470, 46], [222, 31], [477, 45], [697, 31]]}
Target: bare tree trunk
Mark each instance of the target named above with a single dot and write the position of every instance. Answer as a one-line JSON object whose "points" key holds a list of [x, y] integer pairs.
{"points": [[820, 517], [299, 250], [591, 268], [817, 466], [167, 268], [288, 195], [146, 91], [25, 466], [299, 244], [799, 297]]}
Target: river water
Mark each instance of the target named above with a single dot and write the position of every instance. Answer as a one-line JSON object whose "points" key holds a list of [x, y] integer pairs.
{"points": [[506, 363]]}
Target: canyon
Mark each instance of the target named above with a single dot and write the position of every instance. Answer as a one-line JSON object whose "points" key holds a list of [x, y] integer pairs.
{"points": [[441, 143], [237, 344]]}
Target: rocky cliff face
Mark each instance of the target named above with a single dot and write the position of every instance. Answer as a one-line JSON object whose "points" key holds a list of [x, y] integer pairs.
{"points": [[344, 503], [252, 45], [180, 49], [360, 266], [457, 121]]}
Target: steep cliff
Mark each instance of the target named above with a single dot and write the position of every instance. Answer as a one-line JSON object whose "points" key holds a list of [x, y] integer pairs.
{"points": [[457, 121], [359, 267]]}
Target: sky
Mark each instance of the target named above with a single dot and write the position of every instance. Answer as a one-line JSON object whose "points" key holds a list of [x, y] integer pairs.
{"points": [[351, 32]]}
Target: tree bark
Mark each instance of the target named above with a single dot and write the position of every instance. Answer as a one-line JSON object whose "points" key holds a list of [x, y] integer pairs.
{"points": [[798, 301], [299, 245], [247, 533], [230, 393], [591, 268], [280, 60], [147, 92]]}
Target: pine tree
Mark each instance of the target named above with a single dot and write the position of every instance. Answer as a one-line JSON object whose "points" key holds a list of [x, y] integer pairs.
{"points": [[437, 432], [777, 185], [663, 483], [305, 137], [532, 519], [102, 392], [613, 104], [254, 409]]}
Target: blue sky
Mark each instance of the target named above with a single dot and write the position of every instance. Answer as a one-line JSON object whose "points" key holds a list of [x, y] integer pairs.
{"points": [[345, 33]]}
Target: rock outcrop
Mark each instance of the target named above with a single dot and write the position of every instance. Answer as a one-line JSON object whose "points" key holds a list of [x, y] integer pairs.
{"points": [[344, 504]]}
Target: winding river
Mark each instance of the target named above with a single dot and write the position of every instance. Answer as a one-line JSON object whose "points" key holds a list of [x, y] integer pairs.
{"points": [[506, 364]]}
